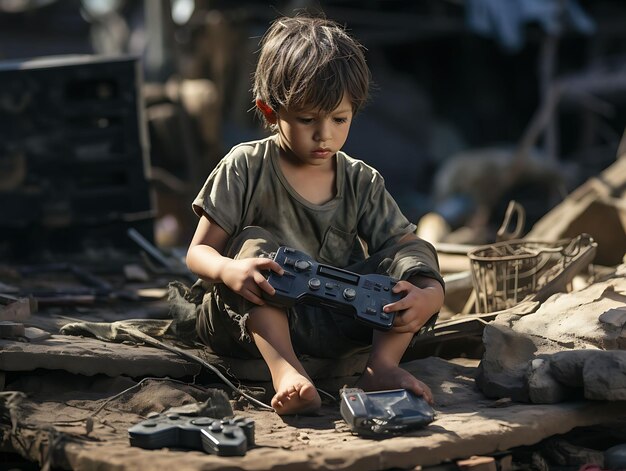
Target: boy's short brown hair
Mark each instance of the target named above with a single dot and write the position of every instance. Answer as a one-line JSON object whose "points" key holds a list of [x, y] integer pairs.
{"points": [[310, 62]]}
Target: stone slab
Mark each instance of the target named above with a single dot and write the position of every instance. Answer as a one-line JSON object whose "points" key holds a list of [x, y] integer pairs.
{"points": [[89, 356]]}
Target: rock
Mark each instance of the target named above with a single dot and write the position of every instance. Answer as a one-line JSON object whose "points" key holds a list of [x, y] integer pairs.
{"points": [[604, 376], [567, 366], [572, 320], [601, 374], [502, 370], [567, 348], [542, 387]]}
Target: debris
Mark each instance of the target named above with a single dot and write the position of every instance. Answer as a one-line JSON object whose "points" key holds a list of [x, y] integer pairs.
{"points": [[34, 334], [596, 208], [615, 457], [14, 308], [174, 266], [561, 452], [478, 463], [216, 405], [11, 330], [134, 272], [5, 288]]}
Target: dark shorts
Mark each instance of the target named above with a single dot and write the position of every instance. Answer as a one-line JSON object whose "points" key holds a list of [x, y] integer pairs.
{"points": [[315, 331]]}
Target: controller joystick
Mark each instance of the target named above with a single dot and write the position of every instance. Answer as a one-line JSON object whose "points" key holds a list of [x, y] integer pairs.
{"points": [[302, 265]]}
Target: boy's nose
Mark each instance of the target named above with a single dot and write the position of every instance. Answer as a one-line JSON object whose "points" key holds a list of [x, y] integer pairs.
{"points": [[322, 133]]}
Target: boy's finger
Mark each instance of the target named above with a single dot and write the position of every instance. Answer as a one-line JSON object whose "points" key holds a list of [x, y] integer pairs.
{"points": [[398, 306], [428, 397], [264, 284], [398, 322], [267, 264], [400, 286], [252, 297], [277, 268]]}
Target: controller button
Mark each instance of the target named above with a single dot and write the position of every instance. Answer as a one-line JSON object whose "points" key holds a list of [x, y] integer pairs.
{"points": [[289, 261], [150, 423], [289, 250], [315, 283], [216, 427], [330, 285], [302, 265], [173, 416], [229, 433], [371, 310], [349, 294], [202, 421], [384, 315]]}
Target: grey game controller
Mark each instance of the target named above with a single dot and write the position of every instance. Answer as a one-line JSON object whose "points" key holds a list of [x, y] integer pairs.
{"points": [[307, 281], [225, 437]]}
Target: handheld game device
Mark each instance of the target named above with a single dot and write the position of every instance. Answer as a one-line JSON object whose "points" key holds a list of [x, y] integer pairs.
{"points": [[382, 413], [307, 281], [226, 437]]}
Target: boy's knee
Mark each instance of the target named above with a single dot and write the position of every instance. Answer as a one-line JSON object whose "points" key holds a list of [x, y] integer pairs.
{"points": [[252, 242]]}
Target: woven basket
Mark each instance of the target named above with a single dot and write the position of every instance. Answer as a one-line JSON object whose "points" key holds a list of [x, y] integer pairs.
{"points": [[504, 273]]}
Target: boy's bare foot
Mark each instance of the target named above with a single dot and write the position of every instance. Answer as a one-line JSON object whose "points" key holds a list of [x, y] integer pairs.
{"points": [[295, 394], [392, 377]]}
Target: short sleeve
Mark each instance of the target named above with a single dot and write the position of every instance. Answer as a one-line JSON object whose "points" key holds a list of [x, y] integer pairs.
{"points": [[381, 223], [222, 195]]}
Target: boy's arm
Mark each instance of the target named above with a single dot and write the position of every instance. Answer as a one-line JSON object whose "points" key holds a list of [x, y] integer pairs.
{"points": [[423, 297], [204, 256], [243, 276]]}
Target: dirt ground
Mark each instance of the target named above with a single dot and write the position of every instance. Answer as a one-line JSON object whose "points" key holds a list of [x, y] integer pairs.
{"points": [[81, 423]]}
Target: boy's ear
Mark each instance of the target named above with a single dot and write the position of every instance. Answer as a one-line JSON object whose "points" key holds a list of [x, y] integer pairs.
{"points": [[268, 112]]}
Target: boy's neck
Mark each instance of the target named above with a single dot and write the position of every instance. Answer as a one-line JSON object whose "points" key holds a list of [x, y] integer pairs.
{"points": [[314, 183]]}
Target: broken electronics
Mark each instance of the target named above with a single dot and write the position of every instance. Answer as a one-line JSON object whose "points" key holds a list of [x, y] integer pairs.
{"points": [[384, 413]]}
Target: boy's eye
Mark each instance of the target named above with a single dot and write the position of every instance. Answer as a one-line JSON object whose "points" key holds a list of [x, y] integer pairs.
{"points": [[341, 120], [305, 120]]}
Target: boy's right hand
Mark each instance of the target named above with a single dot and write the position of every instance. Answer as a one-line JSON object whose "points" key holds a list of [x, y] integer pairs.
{"points": [[244, 277]]}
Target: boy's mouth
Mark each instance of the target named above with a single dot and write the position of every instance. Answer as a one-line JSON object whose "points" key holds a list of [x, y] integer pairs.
{"points": [[321, 152]]}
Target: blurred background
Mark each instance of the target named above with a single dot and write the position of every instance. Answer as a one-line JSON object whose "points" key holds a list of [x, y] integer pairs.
{"points": [[475, 103]]}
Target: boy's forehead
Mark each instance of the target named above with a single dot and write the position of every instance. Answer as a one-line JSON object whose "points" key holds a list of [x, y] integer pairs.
{"points": [[344, 106]]}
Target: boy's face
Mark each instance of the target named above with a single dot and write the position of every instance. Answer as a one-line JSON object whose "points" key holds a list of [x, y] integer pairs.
{"points": [[313, 138]]}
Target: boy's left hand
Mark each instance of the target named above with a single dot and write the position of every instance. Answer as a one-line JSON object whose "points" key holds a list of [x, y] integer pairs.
{"points": [[418, 305]]}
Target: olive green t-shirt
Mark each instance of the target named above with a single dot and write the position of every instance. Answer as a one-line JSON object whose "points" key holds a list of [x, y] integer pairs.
{"points": [[248, 188]]}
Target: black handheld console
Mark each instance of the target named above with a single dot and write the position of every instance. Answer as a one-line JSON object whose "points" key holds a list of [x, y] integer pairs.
{"points": [[307, 281], [383, 413], [226, 437]]}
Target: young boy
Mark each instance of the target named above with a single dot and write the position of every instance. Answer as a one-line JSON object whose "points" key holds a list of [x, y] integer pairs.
{"points": [[296, 188]]}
